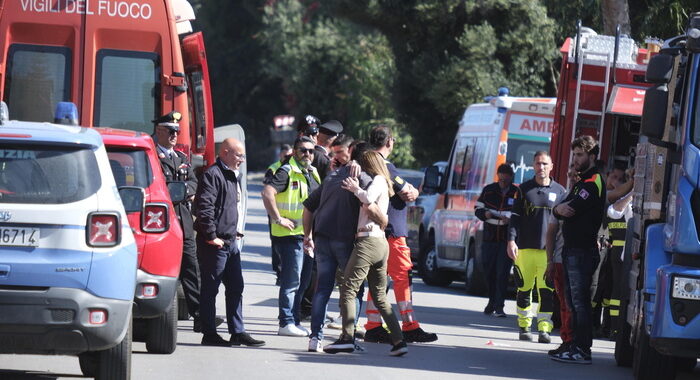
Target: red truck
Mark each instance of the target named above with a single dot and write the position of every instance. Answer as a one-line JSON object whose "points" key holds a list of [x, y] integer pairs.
{"points": [[122, 63]]}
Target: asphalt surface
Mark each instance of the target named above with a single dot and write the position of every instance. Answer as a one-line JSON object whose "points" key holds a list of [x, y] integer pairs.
{"points": [[470, 345]]}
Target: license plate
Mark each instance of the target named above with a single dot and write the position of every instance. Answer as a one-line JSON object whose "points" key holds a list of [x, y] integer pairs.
{"points": [[19, 237]]}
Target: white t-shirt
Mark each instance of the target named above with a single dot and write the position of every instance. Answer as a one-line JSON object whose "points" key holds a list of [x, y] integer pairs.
{"points": [[377, 192]]}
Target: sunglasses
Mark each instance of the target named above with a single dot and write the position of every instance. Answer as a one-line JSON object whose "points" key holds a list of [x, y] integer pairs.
{"points": [[304, 150]]}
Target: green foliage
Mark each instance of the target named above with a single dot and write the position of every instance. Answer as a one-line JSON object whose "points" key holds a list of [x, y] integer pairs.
{"points": [[661, 18], [329, 67]]}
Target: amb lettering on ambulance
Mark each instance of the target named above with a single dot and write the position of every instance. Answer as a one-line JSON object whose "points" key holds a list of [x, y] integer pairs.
{"points": [[506, 129], [123, 63], [86, 7]]}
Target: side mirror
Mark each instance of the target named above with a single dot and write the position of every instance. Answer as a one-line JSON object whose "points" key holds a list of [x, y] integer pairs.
{"points": [[659, 69], [693, 33], [431, 180], [655, 111], [132, 198], [178, 191]]}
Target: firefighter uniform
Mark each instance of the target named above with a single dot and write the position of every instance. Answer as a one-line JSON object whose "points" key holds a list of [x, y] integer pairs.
{"points": [[610, 273], [528, 228]]}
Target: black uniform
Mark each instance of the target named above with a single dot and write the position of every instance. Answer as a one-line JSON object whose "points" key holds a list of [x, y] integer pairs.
{"points": [[321, 161], [178, 168], [530, 215], [608, 291], [580, 254]]}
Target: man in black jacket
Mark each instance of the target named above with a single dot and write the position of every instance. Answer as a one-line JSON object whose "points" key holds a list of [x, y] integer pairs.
{"points": [[218, 227], [582, 212], [176, 167], [494, 207]]}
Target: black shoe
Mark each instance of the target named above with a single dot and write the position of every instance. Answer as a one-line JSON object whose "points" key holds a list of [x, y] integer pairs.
{"points": [[246, 340], [214, 340], [197, 324], [557, 351], [544, 337], [341, 345], [574, 355], [377, 335], [488, 310], [525, 334], [419, 336], [399, 349], [500, 313]]}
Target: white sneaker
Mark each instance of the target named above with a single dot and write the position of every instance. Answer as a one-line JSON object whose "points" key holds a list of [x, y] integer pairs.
{"points": [[315, 345], [291, 330], [304, 329], [335, 323]]}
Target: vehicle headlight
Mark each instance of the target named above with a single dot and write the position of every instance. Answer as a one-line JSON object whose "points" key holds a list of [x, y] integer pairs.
{"points": [[686, 287]]}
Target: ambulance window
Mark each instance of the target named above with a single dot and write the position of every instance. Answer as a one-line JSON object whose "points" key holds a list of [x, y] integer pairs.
{"points": [[196, 102], [127, 90], [481, 161], [464, 150], [521, 153], [38, 77]]}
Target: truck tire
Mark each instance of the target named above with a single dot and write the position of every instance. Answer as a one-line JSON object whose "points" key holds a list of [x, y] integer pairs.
{"points": [[182, 312], [428, 269], [624, 351], [162, 331], [649, 364], [686, 364], [474, 283]]}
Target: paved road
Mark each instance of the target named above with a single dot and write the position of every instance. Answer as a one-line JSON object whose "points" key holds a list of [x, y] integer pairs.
{"points": [[470, 343]]}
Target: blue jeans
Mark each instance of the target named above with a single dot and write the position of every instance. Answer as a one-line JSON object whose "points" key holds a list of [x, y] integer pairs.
{"points": [[496, 264], [294, 279], [330, 255], [217, 266], [579, 265]]}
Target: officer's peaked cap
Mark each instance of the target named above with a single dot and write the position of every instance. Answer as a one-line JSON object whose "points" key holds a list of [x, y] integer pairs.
{"points": [[170, 120]]}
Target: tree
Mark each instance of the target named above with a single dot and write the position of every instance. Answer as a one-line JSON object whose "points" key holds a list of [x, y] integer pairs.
{"points": [[615, 12], [451, 53]]}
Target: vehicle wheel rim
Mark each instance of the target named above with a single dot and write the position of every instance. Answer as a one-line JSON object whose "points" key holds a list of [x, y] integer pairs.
{"points": [[430, 261], [470, 269]]}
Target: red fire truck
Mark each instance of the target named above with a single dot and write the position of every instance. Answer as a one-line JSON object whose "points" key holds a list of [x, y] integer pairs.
{"points": [[601, 93], [122, 62]]}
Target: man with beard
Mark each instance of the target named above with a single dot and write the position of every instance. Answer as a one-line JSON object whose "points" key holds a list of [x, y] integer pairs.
{"points": [[283, 196], [582, 212]]}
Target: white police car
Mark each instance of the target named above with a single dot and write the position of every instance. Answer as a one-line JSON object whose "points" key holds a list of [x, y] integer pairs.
{"points": [[67, 254]]}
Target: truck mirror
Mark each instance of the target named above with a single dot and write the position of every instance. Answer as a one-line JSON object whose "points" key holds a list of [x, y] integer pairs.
{"points": [[132, 198], [659, 69], [431, 180], [178, 191], [693, 33], [655, 111]]}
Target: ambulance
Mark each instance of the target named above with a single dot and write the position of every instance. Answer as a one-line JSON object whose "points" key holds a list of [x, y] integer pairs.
{"points": [[122, 62], [505, 129]]}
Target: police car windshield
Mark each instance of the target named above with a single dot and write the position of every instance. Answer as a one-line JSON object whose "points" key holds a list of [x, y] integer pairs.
{"points": [[47, 174], [130, 167]]}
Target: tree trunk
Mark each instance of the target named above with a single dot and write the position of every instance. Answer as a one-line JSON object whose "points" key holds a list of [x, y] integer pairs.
{"points": [[615, 12]]}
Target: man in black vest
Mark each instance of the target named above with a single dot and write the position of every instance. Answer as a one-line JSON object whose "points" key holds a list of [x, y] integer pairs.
{"points": [[176, 167]]}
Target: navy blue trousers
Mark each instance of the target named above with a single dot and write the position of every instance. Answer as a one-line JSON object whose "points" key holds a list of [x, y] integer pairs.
{"points": [[220, 266]]}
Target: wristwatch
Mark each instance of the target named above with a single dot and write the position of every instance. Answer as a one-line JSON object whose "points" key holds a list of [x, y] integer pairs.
{"points": [[278, 220]]}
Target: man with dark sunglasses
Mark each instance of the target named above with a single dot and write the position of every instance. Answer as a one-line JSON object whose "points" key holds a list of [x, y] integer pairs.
{"points": [[283, 196]]}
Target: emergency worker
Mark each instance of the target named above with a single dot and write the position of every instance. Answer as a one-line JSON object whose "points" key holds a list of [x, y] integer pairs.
{"points": [[285, 152], [283, 197], [609, 288], [494, 207], [399, 263], [177, 167], [582, 212], [526, 246]]}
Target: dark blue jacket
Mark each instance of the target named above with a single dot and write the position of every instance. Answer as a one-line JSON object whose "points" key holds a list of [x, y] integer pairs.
{"points": [[217, 197]]}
